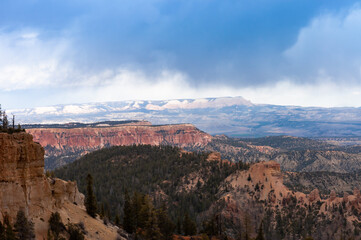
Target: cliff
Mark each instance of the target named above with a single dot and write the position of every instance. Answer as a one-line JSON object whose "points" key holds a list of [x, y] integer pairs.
{"points": [[65, 145], [23, 185]]}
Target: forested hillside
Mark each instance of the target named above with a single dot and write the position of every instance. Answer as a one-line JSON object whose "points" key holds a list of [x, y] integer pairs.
{"points": [[141, 187], [186, 182]]}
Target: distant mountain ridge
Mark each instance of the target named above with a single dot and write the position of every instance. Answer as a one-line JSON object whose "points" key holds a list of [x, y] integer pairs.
{"points": [[65, 143], [233, 116]]}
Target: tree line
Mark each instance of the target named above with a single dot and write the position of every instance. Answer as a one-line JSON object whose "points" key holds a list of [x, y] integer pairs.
{"points": [[6, 126]]}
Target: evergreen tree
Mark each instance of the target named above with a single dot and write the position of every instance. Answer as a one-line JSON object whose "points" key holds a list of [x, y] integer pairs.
{"points": [[90, 200], [179, 226], [2, 229], [128, 219], [74, 233], [260, 235], [5, 121], [189, 226], [117, 220], [166, 226], [56, 226], [210, 227], [9, 232], [145, 211], [24, 229], [152, 231], [136, 205], [50, 235]]}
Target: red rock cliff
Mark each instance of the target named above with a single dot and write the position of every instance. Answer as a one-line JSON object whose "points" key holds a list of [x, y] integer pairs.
{"points": [[78, 141]]}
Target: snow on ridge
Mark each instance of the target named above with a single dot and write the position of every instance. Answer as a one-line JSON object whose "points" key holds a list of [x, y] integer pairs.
{"points": [[79, 109], [201, 103], [124, 106]]}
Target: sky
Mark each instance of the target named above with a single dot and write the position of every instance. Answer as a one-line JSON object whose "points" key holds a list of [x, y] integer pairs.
{"points": [[299, 52]]}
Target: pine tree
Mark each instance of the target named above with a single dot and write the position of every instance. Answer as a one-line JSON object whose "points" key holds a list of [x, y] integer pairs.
{"points": [[166, 226], [90, 200], [128, 217], [5, 121], [210, 227], [189, 226], [152, 231], [145, 211], [24, 229], [2, 229], [56, 226], [117, 220], [74, 233], [179, 226], [9, 232], [136, 205], [260, 235]]}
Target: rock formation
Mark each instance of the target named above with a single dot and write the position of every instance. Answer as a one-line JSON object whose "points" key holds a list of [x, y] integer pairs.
{"points": [[23, 185], [259, 194], [62, 142]]}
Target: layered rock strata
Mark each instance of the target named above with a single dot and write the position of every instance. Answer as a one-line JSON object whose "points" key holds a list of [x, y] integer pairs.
{"points": [[71, 143], [23, 185]]}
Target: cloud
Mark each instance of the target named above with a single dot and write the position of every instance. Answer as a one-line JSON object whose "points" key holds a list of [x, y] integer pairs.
{"points": [[328, 49], [181, 49], [320, 94], [28, 61]]}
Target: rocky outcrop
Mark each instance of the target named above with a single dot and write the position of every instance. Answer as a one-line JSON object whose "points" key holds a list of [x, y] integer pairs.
{"points": [[314, 196], [259, 195], [62, 143], [23, 185]]}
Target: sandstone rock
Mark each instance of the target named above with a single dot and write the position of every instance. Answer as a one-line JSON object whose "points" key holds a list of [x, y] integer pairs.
{"points": [[345, 197], [64, 142], [214, 156], [332, 195], [314, 196], [23, 185]]}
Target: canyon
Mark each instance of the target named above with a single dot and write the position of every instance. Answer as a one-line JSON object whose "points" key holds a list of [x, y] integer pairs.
{"points": [[64, 143]]}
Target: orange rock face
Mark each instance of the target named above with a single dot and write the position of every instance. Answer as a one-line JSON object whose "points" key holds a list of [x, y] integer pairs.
{"points": [[23, 185], [60, 141], [22, 181]]}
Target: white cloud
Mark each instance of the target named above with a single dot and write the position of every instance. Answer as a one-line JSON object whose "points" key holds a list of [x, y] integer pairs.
{"points": [[329, 48], [27, 61], [323, 94]]}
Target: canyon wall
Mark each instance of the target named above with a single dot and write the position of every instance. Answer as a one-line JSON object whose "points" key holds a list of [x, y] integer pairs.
{"points": [[65, 145], [23, 185]]}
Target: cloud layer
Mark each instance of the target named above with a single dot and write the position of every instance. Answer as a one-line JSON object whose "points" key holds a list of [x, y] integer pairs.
{"points": [[278, 53]]}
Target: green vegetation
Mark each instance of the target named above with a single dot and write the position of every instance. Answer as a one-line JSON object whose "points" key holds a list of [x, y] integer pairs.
{"points": [[90, 200], [23, 229], [7, 127], [144, 220], [58, 231], [287, 143], [161, 182]]}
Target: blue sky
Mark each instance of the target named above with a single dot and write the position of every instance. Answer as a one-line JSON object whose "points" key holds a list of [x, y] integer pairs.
{"points": [[296, 52]]}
